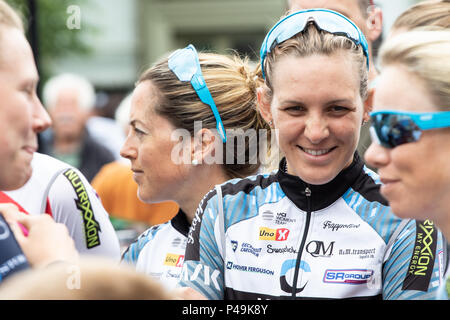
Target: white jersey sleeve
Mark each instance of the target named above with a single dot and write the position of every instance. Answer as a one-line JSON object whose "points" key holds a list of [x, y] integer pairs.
{"points": [[72, 201], [75, 204]]}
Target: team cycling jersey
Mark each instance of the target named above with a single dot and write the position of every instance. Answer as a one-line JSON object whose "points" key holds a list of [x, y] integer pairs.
{"points": [[273, 236], [61, 191], [159, 251]]}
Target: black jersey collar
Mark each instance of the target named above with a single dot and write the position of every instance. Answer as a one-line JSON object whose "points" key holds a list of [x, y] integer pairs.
{"points": [[180, 223], [324, 195]]}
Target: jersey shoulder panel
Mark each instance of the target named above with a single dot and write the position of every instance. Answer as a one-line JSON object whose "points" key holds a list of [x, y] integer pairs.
{"points": [[365, 200], [242, 197], [131, 255]]}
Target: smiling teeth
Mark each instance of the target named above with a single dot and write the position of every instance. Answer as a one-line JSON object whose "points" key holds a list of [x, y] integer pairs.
{"points": [[316, 152]]}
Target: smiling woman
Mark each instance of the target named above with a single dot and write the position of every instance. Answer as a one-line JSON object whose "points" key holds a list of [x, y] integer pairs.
{"points": [[330, 232]]}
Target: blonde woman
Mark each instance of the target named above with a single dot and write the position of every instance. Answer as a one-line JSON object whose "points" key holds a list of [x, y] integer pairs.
{"points": [[431, 13], [411, 129], [318, 226], [194, 124]]}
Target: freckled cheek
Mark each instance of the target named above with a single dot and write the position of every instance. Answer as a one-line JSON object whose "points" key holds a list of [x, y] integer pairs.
{"points": [[290, 131], [411, 168]]}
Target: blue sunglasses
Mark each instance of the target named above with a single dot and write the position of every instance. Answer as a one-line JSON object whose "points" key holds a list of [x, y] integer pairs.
{"points": [[391, 128], [185, 65], [326, 20]]}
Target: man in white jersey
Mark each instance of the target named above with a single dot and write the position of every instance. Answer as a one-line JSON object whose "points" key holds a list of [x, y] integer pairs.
{"points": [[22, 117], [65, 194]]}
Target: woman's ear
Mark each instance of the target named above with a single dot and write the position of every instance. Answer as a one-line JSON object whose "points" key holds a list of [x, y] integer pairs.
{"points": [[264, 104], [368, 105], [205, 147], [374, 23]]}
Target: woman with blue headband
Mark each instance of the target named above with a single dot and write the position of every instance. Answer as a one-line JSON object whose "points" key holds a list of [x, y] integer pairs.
{"points": [[317, 227], [411, 129], [193, 125]]}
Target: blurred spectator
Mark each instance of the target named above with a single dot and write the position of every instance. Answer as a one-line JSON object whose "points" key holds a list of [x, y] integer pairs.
{"points": [[69, 98], [104, 129]]}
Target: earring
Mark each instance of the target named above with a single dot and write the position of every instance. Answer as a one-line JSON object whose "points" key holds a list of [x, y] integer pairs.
{"points": [[194, 162], [270, 123]]}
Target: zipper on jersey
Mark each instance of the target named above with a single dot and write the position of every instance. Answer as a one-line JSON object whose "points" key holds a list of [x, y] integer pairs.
{"points": [[302, 243]]}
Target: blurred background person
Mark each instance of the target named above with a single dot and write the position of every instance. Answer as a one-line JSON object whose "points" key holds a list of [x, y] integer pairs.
{"points": [[106, 130], [369, 19], [69, 99]]}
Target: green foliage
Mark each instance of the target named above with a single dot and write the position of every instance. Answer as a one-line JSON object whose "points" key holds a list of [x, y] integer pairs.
{"points": [[55, 38]]}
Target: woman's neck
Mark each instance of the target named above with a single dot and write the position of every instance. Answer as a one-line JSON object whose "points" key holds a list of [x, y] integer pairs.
{"points": [[204, 182]]}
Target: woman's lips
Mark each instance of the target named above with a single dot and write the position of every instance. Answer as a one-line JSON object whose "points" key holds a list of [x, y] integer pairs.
{"points": [[30, 149], [388, 185], [317, 154]]}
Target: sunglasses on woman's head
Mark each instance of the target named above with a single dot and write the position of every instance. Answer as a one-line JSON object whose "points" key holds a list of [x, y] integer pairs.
{"points": [[184, 63], [326, 20], [393, 128]]}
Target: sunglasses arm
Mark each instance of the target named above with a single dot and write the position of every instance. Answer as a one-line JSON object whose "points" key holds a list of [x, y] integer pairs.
{"points": [[205, 96]]}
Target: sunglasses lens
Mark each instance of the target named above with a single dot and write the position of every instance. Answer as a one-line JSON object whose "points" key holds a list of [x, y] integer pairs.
{"points": [[393, 130], [183, 64]]}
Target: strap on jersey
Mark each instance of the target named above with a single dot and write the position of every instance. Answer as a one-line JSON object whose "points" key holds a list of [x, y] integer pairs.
{"points": [[221, 220], [394, 236], [47, 189]]}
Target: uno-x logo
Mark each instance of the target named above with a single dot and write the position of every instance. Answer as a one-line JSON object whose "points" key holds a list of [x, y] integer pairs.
{"points": [[273, 234], [174, 260]]}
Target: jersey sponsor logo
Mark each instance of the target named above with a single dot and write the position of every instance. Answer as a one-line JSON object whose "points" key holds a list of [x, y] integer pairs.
{"points": [[174, 260], [91, 226], [238, 267], [422, 260], [178, 242], [273, 234], [286, 268], [248, 248], [280, 218], [348, 276], [271, 249], [362, 253], [319, 249], [206, 276], [234, 245], [336, 226]]}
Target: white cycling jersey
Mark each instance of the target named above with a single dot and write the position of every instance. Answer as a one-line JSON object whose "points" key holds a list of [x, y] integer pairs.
{"points": [[61, 191], [276, 237], [159, 251]]}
